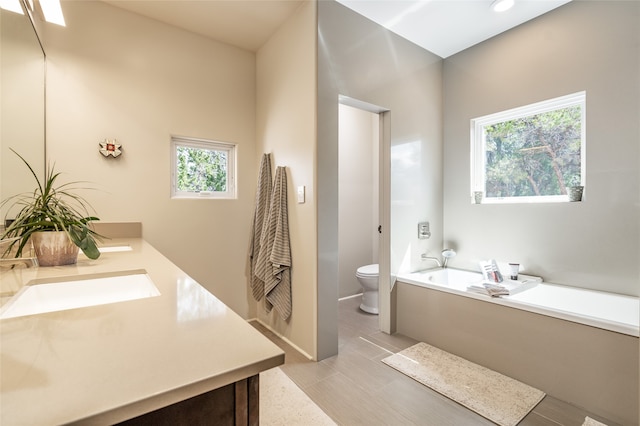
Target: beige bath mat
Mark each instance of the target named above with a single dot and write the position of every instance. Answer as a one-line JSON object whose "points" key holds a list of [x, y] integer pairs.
{"points": [[499, 398]]}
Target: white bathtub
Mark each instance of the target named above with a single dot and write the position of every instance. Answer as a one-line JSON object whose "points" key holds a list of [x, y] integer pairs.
{"points": [[608, 311]]}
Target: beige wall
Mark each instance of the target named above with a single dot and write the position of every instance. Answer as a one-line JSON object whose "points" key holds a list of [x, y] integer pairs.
{"points": [[358, 195], [114, 74], [286, 111], [584, 45]]}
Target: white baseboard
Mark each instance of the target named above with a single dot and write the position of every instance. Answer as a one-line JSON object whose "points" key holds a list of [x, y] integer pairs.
{"points": [[289, 342], [350, 297]]}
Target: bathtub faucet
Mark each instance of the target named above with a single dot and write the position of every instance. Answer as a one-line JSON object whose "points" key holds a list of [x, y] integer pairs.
{"points": [[435, 259], [446, 255]]}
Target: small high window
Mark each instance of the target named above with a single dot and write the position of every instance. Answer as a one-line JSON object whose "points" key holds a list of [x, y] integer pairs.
{"points": [[202, 168], [530, 154]]}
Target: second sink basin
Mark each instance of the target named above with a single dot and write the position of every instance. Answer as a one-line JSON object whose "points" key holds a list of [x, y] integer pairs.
{"points": [[38, 296]]}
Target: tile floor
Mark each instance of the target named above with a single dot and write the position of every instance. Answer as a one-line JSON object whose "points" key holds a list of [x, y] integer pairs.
{"points": [[356, 388]]}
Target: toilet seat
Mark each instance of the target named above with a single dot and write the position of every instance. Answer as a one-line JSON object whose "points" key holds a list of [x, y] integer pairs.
{"points": [[368, 271]]}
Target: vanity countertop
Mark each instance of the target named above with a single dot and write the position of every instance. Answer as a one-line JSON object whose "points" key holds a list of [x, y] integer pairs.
{"points": [[107, 363]]}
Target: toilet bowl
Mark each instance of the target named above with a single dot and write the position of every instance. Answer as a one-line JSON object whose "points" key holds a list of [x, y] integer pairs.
{"points": [[368, 278]]}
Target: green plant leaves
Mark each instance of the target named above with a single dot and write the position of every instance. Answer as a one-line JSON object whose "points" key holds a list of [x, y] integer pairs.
{"points": [[51, 208], [82, 236]]}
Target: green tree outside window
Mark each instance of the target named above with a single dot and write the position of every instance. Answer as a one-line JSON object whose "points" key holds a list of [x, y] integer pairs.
{"points": [[535, 155], [201, 170]]}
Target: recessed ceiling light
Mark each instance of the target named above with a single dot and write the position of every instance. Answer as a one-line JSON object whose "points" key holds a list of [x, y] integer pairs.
{"points": [[502, 5]]}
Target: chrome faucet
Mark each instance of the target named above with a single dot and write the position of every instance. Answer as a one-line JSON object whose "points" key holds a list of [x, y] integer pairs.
{"points": [[435, 259], [446, 255]]}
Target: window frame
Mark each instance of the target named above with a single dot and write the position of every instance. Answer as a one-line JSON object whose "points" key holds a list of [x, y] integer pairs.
{"points": [[478, 145], [207, 144]]}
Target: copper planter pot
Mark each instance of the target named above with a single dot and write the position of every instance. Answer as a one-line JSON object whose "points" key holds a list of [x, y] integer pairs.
{"points": [[54, 248]]}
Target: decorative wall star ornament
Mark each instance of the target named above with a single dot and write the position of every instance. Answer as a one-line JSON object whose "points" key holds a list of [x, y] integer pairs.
{"points": [[110, 148]]}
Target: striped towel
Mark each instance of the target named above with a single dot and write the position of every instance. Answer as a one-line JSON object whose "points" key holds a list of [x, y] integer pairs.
{"points": [[263, 198], [274, 258]]}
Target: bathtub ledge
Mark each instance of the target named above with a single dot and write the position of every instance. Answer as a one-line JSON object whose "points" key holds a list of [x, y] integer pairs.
{"points": [[608, 311]]}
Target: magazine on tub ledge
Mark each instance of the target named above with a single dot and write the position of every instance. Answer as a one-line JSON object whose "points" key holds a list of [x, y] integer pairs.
{"points": [[493, 283]]}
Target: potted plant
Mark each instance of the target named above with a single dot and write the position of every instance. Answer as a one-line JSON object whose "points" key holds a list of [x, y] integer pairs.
{"points": [[575, 189], [54, 218]]}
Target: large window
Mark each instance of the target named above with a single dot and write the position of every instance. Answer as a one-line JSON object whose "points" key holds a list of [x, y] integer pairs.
{"points": [[202, 168], [530, 154]]}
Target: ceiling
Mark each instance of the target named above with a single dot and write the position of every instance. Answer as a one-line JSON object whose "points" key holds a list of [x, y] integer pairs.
{"points": [[446, 27], [443, 27], [247, 24]]}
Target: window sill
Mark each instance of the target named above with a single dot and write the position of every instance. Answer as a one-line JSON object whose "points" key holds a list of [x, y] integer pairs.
{"points": [[528, 200]]}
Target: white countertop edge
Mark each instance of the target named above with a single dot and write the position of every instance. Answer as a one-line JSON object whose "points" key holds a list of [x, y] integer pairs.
{"points": [[170, 397], [601, 323]]}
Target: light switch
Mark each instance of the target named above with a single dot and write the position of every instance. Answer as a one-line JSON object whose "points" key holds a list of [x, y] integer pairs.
{"points": [[301, 194]]}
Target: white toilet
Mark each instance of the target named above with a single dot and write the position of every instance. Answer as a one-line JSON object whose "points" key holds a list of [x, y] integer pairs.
{"points": [[368, 277]]}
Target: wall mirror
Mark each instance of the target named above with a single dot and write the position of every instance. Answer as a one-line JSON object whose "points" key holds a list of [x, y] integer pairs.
{"points": [[22, 104]]}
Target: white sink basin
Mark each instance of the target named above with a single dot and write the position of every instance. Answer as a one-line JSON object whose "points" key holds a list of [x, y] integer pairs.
{"points": [[39, 296]]}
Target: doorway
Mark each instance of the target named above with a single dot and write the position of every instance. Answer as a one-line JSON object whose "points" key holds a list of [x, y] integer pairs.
{"points": [[363, 216], [358, 188]]}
